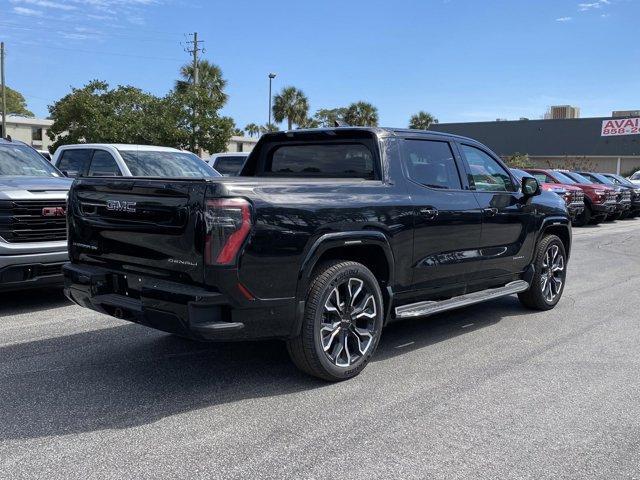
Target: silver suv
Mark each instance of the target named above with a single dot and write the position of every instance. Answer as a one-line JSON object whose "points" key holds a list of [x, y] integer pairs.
{"points": [[33, 228]]}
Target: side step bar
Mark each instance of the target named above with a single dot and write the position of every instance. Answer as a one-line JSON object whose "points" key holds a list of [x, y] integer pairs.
{"points": [[422, 309]]}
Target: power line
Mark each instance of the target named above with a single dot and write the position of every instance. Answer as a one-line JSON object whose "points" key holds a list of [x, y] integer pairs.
{"points": [[117, 54], [94, 34]]}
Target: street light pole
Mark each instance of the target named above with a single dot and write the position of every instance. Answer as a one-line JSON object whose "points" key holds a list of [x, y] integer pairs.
{"points": [[3, 93], [271, 77]]}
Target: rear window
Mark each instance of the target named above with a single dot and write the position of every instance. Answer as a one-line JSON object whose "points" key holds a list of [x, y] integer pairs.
{"points": [[24, 161], [150, 163], [344, 160], [230, 165]]}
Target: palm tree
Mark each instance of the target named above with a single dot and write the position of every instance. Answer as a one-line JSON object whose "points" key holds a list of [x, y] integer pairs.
{"points": [[209, 79], [422, 120], [361, 114], [252, 129], [291, 104], [238, 132], [268, 128]]}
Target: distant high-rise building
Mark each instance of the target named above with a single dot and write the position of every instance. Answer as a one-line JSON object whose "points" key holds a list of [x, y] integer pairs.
{"points": [[558, 112], [625, 113]]}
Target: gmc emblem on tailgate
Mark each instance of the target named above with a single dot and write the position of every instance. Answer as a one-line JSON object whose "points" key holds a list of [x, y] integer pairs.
{"points": [[121, 206], [53, 212]]}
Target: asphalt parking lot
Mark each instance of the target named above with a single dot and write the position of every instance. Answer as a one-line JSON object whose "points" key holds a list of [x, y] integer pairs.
{"points": [[492, 391]]}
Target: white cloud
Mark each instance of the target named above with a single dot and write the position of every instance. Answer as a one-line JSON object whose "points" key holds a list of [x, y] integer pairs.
{"points": [[45, 4], [27, 11], [564, 19], [583, 7]]}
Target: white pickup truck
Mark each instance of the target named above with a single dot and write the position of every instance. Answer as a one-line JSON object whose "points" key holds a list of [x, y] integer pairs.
{"points": [[33, 230]]}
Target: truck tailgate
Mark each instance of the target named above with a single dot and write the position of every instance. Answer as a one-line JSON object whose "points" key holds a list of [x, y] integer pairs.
{"points": [[152, 227]]}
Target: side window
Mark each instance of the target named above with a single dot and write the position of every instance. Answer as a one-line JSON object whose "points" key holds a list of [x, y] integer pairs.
{"points": [[431, 163], [542, 177], [103, 165], [488, 175], [74, 161]]}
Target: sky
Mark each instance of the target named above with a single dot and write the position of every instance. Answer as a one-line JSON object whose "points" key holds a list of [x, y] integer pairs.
{"points": [[461, 60]]}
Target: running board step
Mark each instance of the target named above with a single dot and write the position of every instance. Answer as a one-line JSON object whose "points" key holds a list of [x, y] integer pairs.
{"points": [[422, 309]]}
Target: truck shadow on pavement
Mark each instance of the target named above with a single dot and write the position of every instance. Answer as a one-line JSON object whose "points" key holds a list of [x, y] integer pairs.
{"points": [[27, 301], [128, 375]]}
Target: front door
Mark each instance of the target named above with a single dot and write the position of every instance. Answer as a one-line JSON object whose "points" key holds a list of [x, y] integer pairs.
{"points": [[506, 243], [447, 219]]}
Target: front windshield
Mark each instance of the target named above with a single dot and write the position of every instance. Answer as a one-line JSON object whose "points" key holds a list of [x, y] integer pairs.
{"points": [[620, 180], [602, 179], [562, 178], [635, 176], [20, 160], [578, 178], [149, 163]]}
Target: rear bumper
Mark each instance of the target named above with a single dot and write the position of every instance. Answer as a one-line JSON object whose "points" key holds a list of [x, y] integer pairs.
{"points": [[31, 270], [190, 311]]}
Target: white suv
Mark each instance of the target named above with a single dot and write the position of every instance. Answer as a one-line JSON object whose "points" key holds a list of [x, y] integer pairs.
{"points": [[119, 160], [635, 178]]}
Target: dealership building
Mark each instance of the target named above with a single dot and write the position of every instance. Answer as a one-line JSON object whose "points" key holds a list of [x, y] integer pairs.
{"points": [[603, 144]]}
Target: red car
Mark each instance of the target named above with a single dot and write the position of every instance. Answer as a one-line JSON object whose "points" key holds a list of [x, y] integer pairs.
{"points": [[599, 200]]}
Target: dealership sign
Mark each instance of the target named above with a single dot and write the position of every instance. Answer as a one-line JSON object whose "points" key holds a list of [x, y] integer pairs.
{"points": [[621, 126]]}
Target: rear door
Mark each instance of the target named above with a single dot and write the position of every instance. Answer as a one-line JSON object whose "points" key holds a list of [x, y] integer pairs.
{"points": [[508, 222], [103, 165], [152, 227], [75, 161], [447, 218]]}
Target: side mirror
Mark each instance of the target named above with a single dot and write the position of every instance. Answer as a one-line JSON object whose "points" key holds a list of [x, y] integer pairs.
{"points": [[530, 186], [65, 173]]}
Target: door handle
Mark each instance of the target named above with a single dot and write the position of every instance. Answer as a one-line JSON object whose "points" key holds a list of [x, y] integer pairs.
{"points": [[490, 212], [429, 213]]}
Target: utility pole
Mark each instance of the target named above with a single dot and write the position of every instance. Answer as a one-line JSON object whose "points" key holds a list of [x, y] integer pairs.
{"points": [[4, 92], [271, 77], [194, 49]]}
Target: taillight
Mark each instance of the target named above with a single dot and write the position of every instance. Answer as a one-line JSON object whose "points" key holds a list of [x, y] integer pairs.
{"points": [[228, 222]]}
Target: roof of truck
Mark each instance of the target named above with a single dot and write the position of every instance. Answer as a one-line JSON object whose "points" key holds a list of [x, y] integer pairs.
{"points": [[123, 147], [377, 131]]}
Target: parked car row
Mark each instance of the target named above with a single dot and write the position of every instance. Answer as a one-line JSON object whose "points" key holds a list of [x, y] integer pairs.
{"points": [[590, 197]]}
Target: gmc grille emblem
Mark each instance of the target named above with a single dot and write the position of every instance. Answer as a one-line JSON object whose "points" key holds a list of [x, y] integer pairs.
{"points": [[53, 212], [121, 206]]}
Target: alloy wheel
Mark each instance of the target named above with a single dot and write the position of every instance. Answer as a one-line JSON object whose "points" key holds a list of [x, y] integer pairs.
{"points": [[348, 330], [553, 273]]}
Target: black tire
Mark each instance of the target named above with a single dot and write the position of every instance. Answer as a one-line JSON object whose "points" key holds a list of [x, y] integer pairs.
{"points": [[334, 363], [537, 297]]}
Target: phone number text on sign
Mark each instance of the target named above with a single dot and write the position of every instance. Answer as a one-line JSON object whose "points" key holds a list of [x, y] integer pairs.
{"points": [[621, 126]]}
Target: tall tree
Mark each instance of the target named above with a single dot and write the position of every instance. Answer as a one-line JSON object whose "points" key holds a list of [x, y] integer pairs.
{"points": [[16, 104], [327, 117], [209, 78], [290, 104], [252, 129], [96, 113], [309, 123], [200, 107], [268, 128], [422, 120], [361, 114]]}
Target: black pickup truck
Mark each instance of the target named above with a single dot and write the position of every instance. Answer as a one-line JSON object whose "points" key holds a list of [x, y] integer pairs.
{"points": [[326, 236]]}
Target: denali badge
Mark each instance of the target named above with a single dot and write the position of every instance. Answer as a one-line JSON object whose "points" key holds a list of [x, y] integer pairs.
{"points": [[53, 212], [183, 262], [121, 206]]}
